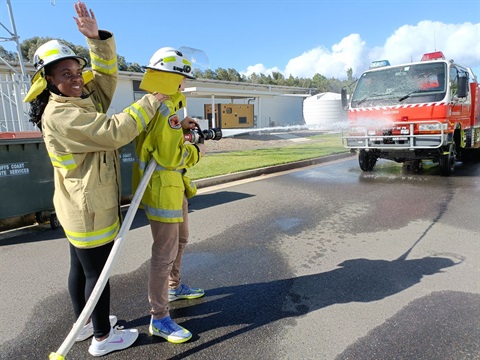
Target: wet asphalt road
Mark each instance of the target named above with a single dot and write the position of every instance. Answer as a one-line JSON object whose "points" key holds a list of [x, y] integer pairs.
{"points": [[324, 262]]}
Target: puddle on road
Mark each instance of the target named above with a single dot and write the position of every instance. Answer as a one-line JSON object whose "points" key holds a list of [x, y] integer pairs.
{"points": [[286, 224]]}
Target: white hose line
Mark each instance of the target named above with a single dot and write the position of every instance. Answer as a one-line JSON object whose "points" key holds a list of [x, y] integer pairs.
{"points": [[107, 269]]}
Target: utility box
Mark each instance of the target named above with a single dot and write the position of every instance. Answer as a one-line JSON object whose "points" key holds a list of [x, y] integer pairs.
{"points": [[26, 176], [230, 116]]}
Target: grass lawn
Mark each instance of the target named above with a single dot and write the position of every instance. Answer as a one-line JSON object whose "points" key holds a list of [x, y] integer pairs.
{"points": [[215, 164]]}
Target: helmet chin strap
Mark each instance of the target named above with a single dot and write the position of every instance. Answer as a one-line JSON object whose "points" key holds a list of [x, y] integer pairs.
{"points": [[54, 89]]}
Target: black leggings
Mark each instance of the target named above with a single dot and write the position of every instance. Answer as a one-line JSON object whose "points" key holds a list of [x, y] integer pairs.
{"points": [[86, 266]]}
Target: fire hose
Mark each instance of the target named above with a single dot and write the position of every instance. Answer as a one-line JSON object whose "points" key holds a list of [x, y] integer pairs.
{"points": [[107, 269]]}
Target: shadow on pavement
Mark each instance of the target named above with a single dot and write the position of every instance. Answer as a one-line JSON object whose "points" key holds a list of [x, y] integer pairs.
{"points": [[255, 305], [203, 201]]}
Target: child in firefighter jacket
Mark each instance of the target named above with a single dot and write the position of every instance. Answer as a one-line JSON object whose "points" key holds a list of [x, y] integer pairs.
{"points": [[165, 198]]}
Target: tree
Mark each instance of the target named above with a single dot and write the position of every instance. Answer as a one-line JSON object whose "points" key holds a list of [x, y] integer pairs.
{"points": [[121, 63], [349, 75], [234, 75], [197, 73], [267, 80], [8, 55], [209, 74], [291, 81], [253, 78], [278, 78], [134, 67], [222, 74], [320, 82]]}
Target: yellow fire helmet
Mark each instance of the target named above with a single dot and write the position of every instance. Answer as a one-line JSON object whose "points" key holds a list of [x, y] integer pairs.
{"points": [[165, 71], [51, 52], [171, 60]]}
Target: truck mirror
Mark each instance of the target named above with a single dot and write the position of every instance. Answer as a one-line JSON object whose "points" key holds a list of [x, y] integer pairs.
{"points": [[462, 87], [344, 98]]}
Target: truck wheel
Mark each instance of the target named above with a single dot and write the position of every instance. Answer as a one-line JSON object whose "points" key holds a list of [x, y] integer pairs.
{"points": [[447, 161], [366, 160], [54, 223]]}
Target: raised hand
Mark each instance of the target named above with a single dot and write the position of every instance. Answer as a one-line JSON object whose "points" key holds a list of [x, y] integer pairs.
{"points": [[86, 21]]}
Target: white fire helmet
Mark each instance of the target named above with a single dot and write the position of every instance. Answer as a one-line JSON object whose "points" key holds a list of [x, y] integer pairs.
{"points": [[171, 60], [51, 52]]}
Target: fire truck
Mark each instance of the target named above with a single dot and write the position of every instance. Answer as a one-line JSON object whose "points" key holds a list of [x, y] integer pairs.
{"points": [[425, 110]]}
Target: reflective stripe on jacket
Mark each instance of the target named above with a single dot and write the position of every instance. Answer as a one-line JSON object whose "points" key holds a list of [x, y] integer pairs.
{"points": [[163, 140], [82, 143]]}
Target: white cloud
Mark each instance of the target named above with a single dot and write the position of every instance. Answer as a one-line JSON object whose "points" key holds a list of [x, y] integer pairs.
{"points": [[260, 69], [460, 42], [348, 53], [457, 41]]}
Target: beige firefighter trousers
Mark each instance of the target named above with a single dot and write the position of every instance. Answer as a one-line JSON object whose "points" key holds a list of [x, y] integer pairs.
{"points": [[169, 241]]}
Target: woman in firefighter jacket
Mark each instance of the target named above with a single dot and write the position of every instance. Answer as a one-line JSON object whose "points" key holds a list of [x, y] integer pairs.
{"points": [[69, 106], [165, 198]]}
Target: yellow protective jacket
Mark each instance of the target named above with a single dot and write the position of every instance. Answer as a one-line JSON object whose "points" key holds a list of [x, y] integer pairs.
{"points": [[82, 143], [164, 141]]}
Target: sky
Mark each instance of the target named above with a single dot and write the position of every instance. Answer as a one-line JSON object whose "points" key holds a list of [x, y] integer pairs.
{"points": [[294, 37]]}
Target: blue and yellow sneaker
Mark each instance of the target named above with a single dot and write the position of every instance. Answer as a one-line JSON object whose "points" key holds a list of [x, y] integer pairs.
{"points": [[185, 292], [169, 330]]}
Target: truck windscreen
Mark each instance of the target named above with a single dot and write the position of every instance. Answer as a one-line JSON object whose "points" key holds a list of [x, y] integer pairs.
{"points": [[410, 84]]}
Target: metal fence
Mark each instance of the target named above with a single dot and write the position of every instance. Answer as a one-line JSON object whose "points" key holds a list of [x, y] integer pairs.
{"points": [[13, 111]]}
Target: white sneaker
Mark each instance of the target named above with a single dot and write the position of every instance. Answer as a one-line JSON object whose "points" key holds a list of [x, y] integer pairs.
{"points": [[87, 330], [117, 340]]}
